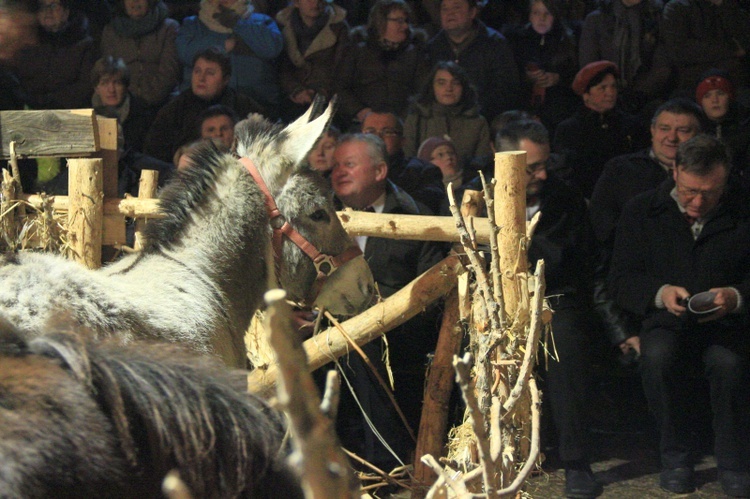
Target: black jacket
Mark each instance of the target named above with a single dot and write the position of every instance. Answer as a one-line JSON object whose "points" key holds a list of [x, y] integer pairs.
{"points": [[654, 246]]}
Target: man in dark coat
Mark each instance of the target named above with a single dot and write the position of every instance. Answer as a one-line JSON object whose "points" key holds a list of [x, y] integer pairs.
{"points": [[625, 177], [481, 51], [563, 239], [420, 179], [689, 236], [176, 124], [360, 181]]}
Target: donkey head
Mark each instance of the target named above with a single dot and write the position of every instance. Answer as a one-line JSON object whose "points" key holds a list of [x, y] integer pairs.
{"points": [[305, 199]]}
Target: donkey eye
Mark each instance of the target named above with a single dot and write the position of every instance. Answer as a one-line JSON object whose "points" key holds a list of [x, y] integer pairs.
{"points": [[320, 216]]}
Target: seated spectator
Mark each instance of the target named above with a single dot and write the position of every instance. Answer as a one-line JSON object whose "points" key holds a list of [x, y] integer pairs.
{"points": [[55, 72], [447, 105], [418, 178], [360, 181], [144, 37], [545, 52], [704, 34], [316, 38], [598, 131], [481, 51], [727, 119], [441, 152], [625, 177], [384, 67], [626, 32], [175, 123], [252, 42], [691, 235], [563, 240], [320, 157], [217, 122], [112, 98]]}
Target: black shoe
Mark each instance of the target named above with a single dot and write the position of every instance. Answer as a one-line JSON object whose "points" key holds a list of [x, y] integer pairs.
{"points": [[582, 484], [735, 483], [678, 480]]}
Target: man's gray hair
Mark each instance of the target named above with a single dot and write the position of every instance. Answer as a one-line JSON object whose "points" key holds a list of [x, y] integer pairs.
{"points": [[702, 154], [510, 137], [376, 150]]}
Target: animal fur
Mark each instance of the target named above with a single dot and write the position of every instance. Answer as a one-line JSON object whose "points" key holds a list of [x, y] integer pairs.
{"points": [[85, 419], [204, 269]]}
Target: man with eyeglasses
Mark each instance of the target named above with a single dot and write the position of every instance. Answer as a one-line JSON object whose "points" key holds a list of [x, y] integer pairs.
{"points": [[688, 236], [563, 240], [422, 180], [623, 178]]}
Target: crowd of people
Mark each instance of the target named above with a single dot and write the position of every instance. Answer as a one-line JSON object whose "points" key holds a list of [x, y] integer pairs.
{"points": [[634, 114]]}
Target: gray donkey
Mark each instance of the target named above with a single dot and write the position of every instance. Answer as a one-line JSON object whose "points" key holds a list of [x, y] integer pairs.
{"points": [[205, 267]]}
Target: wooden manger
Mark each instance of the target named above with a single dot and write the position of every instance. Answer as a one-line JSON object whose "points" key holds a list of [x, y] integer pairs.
{"points": [[502, 309]]}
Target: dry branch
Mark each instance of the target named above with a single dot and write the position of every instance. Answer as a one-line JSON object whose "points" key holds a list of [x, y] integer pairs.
{"points": [[324, 469]]}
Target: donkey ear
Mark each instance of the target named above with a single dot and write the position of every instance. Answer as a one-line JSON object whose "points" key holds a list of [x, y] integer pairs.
{"points": [[303, 136]]}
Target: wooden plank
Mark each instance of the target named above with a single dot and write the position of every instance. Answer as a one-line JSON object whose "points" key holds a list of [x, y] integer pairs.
{"points": [[107, 133], [59, 133], [113, 230]]}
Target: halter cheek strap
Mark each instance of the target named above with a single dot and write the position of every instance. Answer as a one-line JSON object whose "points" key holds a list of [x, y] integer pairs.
{"points": [[325, 264]]}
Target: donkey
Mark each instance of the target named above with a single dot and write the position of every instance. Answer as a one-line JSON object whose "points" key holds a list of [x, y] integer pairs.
{"points": [[207, 263], [85, 419]]}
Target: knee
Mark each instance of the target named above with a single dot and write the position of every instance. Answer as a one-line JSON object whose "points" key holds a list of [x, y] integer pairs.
{"points": [[657, 353], [723, 363]]}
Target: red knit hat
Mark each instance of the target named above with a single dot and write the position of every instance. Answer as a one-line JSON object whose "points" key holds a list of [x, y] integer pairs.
{"points": [[429, 145], [713, 82], [588, 72]]}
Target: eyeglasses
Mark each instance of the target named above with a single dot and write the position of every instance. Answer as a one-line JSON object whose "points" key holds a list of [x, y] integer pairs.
{"points": [[398, 20], [708, 195], [385, 132], [537, 167]]}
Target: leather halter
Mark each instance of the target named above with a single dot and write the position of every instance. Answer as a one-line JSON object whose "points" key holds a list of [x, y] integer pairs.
{"points": [[325, 264]]}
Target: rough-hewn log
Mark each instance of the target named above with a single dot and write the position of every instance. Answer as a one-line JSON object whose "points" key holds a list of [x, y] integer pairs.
{"points": [[373, 323], [147, 185], [108, 146], [510, 216], [86, 213]]}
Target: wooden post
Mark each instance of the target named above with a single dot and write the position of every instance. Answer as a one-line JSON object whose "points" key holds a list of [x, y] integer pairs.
{"points": [[434, 420], [86, 210], [510, 216], [146, 190]]}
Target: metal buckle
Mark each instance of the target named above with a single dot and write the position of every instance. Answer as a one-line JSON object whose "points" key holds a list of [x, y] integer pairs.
{"points": [[324, 264], [278, 222]]}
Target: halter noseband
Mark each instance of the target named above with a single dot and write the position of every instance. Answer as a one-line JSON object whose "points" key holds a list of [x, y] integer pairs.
{"points": [[325, 264]]}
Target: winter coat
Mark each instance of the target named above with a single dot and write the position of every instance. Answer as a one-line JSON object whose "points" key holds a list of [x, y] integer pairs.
{"points": [[259, 43], [553, 52], [176, 124], [589, 139], [489, 61], [151, 58], [655, 246], [381, 79], [467, 129], [318, 65], [56, 73], [700, 35]]}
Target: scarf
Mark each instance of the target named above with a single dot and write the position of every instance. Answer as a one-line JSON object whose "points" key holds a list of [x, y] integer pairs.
{"points": [[306, 34], [120, 112], [136, 28], [210, 8], [627, 40]]}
